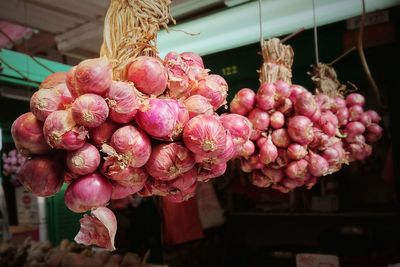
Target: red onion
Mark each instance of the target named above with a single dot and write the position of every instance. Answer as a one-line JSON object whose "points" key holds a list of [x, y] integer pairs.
{"points": [[277, 120], [265, 96], [205, 135], [102, 134], [258, 179], [316, 117], [343, 115], [365, 119], [374, 132], [261, 141], [375, 118], [225, 156], [27, 133], [329, 117], [84, 160], [198, 105], [89, 110], [122, 101], [329, 129], [69, 176], [246, 166], [178, 80], [274, 175], [285, 106], [239, 127], [168, 161], [296, 91], [300, 130], [297, 169], [120, 191], [90, 76], [320, 139], [259, 119], [292, 183], [52, 80], [183, 182], [192, 59], [214, 88], [183, 195], [44, 102], [157, 118], [355, 112], [360, 139], [310, 182], [296, 151], [354, 128], [243, 102], [87, 192], [64, 94], [134, 178], [283, 89], [98, 229], [210, 172], [42, 176], [182, 118], [255, 134], [282, 160], [339, 103], [148, 74], [355, 99], [256, 162], [324, 101], [132, 145], [359, 151], [305, 104], [281, 138], [317, 165], [268, 152], [61, 131], [246, 150]]}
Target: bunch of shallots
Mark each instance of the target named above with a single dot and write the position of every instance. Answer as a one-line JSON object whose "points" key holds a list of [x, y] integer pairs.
{"points": [[298, 136], [154, 133], [12, 162]]}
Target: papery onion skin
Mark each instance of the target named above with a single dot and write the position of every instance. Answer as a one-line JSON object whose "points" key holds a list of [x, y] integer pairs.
{"points": [[297, 169], [198, 105], [277, 120], [44, 102], [42, 176], [148, 74], [317, 165], [84, 160], [168, 161], [132, 142], [300, 130], [374, 132], [258, 179], [183, 195], [87, 192], [268, 152], [227, 154], [243, 102], [157, 118], [214, 88], [122, 102], [343, 115], [375, 118], [265, 97], [239, 127], [355, 128], [245, 150], [355, 112], [192, 59], [90, 110], [281, 138], [210, 172], [53, 79], [355, 99], [92, 76], [305, 104], [205, 135], [296, 151], [283, 89], [275, 175], [259, 119], [27, 133], [61, 131], [102, 134]]}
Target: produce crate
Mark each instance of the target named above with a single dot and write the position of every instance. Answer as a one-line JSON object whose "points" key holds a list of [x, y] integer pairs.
{"points": [[62, 223]]}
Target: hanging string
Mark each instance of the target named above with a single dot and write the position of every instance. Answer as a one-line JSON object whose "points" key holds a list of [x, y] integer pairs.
{"points": [[315, 34], [260, 18]]}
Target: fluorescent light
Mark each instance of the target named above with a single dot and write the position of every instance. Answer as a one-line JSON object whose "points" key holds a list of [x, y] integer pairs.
{"points": [[239, 25]]}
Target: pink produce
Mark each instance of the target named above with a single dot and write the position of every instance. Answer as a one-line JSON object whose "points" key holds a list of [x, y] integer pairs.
{"points": [[265, 97], [42, 176], [354, 128], [122, 101], [90, 110], [225, 155], [46, 101], [297, 170], [343, 115], [355, 99], [148, 74], [277, 120], [87, 192], [285, 106], [243, 102], [245, 150], [281, 138], [317, 165], [61, 131], [274, 175], [374, 132], [214, 88], [268, 152], [375, 118], [239, 127], [27, 133], [296, 151], [283, 89], [300, 130], [259, 119], [84, 160], [305, 104], [355, 112], [53, 79], [198, 105], [102, 134], [206, 172], [258, 179], [183, 195]]}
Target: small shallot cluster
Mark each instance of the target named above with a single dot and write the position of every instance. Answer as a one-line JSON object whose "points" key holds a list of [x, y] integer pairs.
{"points": [[298, 137], [12, 162], [154, 133]]}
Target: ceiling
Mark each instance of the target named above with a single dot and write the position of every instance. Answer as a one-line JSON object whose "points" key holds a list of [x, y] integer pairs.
{"points": [[77, 25]]}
